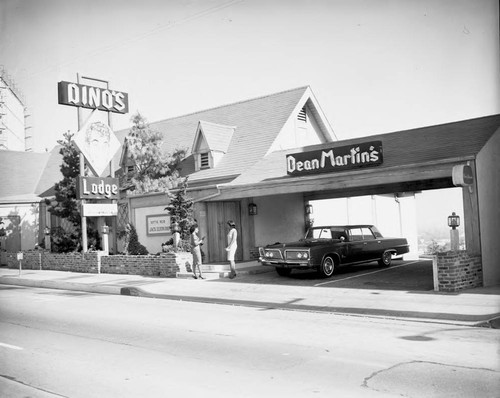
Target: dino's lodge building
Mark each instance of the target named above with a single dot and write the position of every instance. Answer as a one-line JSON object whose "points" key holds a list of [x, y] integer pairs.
{"points": [[260, 162]]}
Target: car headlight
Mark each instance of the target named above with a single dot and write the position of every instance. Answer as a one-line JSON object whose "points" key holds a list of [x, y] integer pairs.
{"points": [[269, 254]]}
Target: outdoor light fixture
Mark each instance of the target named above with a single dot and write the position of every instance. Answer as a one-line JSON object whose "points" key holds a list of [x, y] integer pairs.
{"points": [[453, 221], [46, 231], [252, 209], [105, 229], [309, 208]]}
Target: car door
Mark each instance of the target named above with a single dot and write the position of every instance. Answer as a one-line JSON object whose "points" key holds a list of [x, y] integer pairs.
{"points": [[356, 245], [372, 245]]}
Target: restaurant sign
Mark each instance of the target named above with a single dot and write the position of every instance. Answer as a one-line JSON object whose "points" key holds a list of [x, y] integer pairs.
{"points": [[98, 188], [158, 224], [75, 94], [366, 154], [99, 209]]}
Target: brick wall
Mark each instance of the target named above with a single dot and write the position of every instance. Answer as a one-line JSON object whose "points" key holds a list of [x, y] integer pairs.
{"points": [[164, 265], [458, 270]]}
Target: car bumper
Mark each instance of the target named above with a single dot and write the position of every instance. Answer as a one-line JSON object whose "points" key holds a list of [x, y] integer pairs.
{"points": [[286, 264]]}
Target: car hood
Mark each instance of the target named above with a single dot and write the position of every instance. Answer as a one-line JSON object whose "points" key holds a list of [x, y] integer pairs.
{"points": [[299, 243]]}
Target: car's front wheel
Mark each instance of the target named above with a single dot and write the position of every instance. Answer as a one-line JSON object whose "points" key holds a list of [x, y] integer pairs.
{"points": [[327, 267], [283, 271], [386, 259]]}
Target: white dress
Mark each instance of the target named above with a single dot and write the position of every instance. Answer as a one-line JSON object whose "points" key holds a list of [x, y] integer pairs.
{"points": [[232, 244]]}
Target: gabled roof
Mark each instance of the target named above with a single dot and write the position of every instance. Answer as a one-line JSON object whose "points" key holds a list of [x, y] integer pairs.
{"points": [[217, 136], [258, 122], [450, 142], [25, 176]]}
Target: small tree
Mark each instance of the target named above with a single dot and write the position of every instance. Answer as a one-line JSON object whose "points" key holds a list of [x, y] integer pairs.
{"points": [[180, 210], [65, 205], [155, 171]]}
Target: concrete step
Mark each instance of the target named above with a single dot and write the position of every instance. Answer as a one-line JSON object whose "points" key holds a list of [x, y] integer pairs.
{"points": [[206, 275]]}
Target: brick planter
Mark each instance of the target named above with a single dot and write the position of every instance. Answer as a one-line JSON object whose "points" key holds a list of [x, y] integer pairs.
{"points": [[166, 265], [457, 270]]}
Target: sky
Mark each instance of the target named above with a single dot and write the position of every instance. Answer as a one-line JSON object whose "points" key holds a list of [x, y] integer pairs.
{"points": [[375, 66]]}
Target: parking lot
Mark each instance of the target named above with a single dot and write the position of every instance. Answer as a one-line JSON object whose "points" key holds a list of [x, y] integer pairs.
{"points": [[415, 275]]}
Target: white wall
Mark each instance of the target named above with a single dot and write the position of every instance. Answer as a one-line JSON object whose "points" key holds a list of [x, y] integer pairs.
{"points": [[152, 243], [293, 135], [488, 177], [27, 228], [280, 219]]}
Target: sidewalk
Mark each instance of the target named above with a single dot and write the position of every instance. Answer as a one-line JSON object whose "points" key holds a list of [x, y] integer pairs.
{"points": [[474, 307]]}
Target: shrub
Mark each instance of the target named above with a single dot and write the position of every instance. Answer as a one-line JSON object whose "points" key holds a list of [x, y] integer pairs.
{"points": [[132, 245]]}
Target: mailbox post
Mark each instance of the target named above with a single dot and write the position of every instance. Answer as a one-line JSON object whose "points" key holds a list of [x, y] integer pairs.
{"points": [[20, 259], [105, 239]]}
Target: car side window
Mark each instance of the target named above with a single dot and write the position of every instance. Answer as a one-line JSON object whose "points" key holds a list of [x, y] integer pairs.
{"points": [[376, 232], [367, 234], [355, 234], [326, 234]]}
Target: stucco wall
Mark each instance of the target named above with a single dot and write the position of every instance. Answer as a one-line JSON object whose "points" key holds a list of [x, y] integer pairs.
{"points": [[280, 219], [21, 225], [488, 177], [152, 242]]}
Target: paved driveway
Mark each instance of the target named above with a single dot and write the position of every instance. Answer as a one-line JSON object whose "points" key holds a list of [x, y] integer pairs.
{"points": [[402, 275]]}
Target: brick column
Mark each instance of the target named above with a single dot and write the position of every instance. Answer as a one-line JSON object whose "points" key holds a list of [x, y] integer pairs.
{"points": [[458, 270]]}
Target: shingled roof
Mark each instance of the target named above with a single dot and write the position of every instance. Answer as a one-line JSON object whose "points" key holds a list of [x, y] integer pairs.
{"points": [[451, 142], [257, 122], [27, 176]]}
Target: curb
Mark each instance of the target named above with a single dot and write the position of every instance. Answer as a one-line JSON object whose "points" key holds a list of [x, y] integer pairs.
{"points": [[90, 288], [491, 321], [410, 316]]}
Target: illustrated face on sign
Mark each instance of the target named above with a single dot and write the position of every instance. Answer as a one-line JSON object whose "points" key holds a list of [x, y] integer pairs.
{"points": [[98, 144], [97, 138]]}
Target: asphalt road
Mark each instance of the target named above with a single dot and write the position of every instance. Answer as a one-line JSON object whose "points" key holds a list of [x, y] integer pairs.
{"points": [[73, 344]]}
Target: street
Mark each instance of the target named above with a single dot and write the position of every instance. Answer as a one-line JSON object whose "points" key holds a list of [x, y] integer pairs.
{"points": [[56, 343]]}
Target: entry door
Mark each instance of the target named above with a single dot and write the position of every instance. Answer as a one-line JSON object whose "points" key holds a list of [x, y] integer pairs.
{"points": [[218, 214]]}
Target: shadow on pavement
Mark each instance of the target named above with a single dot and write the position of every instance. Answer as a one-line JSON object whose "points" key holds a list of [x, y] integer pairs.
{"points": [[414, 276]]}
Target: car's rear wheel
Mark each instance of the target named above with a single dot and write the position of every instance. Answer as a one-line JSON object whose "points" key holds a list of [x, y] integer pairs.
{"points": [[327, 267], [386, 259], [283, 271]]}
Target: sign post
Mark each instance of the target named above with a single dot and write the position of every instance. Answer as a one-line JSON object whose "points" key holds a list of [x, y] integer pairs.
{"points": [[97, 144]]}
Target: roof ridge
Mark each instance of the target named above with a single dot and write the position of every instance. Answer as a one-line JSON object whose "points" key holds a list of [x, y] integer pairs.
{"points": [[232, 103], [217, 124]]}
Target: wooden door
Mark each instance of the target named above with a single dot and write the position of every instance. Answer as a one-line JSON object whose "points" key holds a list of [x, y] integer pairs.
{"points": [[218, 214]]}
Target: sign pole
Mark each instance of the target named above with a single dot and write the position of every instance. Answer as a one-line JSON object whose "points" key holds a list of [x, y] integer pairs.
{"points": [[82, 173]]}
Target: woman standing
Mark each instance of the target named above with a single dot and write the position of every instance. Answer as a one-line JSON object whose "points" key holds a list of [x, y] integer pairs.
{"points": [[196, 242], [232, 244]]}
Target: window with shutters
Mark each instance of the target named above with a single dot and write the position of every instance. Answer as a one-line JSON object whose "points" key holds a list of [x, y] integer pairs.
{"points": [[130, 173], [204, 160], [302, 116]]}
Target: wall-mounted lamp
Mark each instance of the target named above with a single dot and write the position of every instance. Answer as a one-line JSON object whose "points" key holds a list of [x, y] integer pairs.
{"points": [[252, 209], [105, 229], [453, 221], [309, 208], [46, 231]]}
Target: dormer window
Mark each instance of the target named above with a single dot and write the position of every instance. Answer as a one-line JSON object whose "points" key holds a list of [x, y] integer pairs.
{"points": [[210, 144], [204, 160], [302, 116]]}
